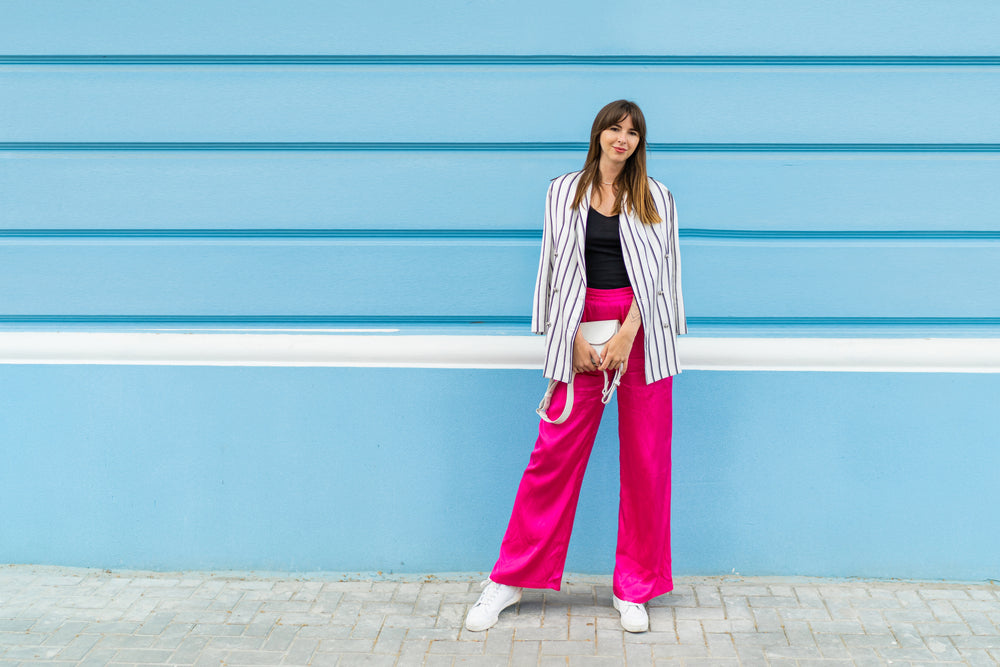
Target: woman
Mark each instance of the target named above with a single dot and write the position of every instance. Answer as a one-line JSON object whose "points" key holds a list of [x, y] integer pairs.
{"points": [[609, 251]]}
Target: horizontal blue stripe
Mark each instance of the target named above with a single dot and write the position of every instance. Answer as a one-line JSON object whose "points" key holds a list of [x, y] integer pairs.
{"points": [[504, 60], [192, 190], [506, 234], [491, 146], [386, 277]]}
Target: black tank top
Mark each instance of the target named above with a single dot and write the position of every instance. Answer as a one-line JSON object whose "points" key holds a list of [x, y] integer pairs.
{"points": [[603, 253]]}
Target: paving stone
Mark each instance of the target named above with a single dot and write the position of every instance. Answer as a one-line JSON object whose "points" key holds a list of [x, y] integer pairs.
{"points": [[767, 620], [942, 629], [244, 657], [77, 647], [524, 652], [805, 614], [413, 651], [729, 625], [541, 634], [593, 661], [837, 627], [863, 641], [761, 639], [667, 637], [720, 645], [583, 628], [639, 655], [944, 611], [677, 651], [233, 643], [142, 655], [699, 613], [188, 650], [610, 643], [566, 647], [389, 640], [943, 594], [345, 645], [373, 660]]}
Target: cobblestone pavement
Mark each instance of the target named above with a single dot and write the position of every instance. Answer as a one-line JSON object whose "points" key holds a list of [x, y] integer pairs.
{"points": [[62, 616]]}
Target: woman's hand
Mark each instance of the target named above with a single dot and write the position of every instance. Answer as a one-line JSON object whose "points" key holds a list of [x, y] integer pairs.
{"points": [[616, 351], [585, 357]]}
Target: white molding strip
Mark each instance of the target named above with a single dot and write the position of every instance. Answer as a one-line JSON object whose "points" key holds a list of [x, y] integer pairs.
{"points": [[924, 355]]}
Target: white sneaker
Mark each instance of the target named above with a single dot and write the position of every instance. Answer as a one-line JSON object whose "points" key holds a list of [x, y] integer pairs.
{"points": [[634, 616], [493, 600]]}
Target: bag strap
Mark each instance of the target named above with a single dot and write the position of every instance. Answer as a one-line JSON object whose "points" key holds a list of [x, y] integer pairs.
{"points": [[606, 394], [543, 406], [609, 390]]}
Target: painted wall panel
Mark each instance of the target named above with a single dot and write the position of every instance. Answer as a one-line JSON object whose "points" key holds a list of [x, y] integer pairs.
{"points": [[179, 468], [455, 104], [488, 190], [481, 278], [266, 278], [841, 279], [723, 27]]}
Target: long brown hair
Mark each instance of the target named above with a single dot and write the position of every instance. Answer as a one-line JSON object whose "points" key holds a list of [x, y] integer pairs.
{"points": [[632, 179]]}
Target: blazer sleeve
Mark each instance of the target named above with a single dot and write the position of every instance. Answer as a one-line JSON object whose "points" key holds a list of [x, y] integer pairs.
{"points": [[675, 278], [543, 282]]}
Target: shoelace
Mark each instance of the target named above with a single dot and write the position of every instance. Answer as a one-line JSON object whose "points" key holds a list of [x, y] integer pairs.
{"points": [[490, 590], [630, 606]]}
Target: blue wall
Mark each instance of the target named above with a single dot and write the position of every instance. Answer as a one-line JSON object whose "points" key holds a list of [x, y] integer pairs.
{"points": [[832, 474], [237, 165]]}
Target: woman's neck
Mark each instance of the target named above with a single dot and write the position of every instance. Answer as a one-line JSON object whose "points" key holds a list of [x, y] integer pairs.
{"points": [[608, 171]]}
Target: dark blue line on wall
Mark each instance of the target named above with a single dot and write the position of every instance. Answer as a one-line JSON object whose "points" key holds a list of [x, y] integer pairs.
{"points": [[505, 60], [506, 234], [487, 146]]}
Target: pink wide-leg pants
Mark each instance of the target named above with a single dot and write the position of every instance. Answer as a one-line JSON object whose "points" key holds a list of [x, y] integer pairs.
{"points": [[533, 552]]}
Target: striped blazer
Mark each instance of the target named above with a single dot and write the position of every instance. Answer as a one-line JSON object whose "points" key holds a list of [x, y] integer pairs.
{"points": [[653, 262]]}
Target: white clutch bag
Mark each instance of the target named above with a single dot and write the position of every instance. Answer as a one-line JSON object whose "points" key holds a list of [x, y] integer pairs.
{"points": [[597, 334]]}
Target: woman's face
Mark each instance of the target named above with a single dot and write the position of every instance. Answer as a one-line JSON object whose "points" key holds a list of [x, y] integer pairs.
{"points": [[619, 141]]}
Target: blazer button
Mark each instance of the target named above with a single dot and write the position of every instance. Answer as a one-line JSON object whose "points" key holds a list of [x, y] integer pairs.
{"points": [[660, 292]]}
